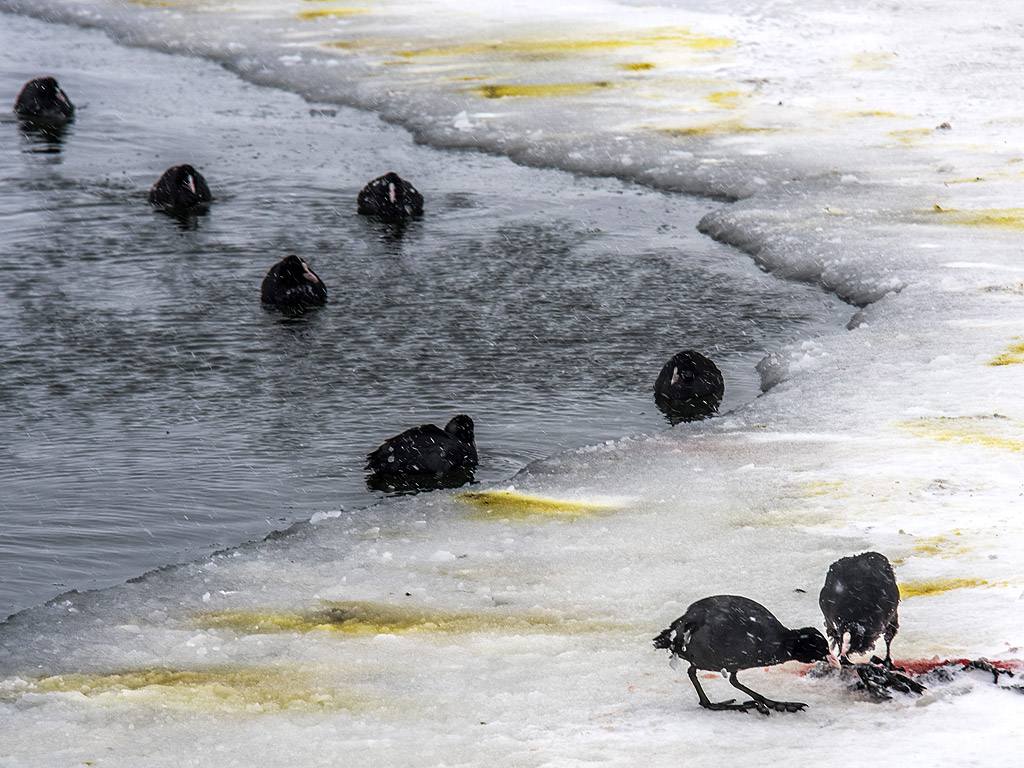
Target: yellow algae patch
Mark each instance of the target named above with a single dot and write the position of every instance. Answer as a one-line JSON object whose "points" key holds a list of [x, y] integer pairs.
{"points": [[938, 586], [715, 128], [551, 90], [557, 48], [347, 45], [636, 66], [787, 518], [510, 504], [321, 13], [1012, 355], [911, 135], [221, 689], [729, 99], [969, 430], [875, 113], [371, 619], [822, 488], [872, 61], [941, 546], [994, 218]]}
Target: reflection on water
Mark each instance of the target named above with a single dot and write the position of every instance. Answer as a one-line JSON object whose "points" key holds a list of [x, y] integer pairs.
{"points": [[186, 219], [43, 136], [153, 411]]}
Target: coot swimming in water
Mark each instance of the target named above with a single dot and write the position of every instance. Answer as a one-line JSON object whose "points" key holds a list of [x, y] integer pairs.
{"points": [[390, 196], [43, 99], [689, 387], [425, 457], [292, 285], [731, 633], [860, 601], [181, 187]]}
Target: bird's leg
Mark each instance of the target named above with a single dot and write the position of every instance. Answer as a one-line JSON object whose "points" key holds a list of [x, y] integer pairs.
{"points": [[890, 633], [764, 705], [716, 706]]}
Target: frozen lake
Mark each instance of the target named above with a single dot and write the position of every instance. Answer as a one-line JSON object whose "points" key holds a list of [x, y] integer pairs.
{"points": [[156, 412]]}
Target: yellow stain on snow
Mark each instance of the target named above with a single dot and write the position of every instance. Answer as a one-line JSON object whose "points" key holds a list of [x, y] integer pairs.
{"points": [[322, 13], [636, 66], [927, 587], [718, 127], [995, 431], [549, 90], [822, 488], [368, 619], [864, 113], [990, 218], [727, 99], [1012, 355], [513, 505], [349, 45], [872, 61], [218, 689], [941, 545], [911, 136], [559, 48]]}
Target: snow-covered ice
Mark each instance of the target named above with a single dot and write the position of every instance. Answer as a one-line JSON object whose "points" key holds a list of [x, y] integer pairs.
{"points": [[874, 147]]}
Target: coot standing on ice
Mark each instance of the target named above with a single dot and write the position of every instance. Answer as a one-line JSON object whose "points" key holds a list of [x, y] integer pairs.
{"points": [[180, 188], [425, 457], [391, 197], [689, 387], [729, 633], [44, 99], [860, 602], [292, 285]]}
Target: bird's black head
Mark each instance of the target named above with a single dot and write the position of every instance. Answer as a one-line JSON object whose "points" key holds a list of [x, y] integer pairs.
{"points": [[44, 98], [189, 180], [808, 645], [688, 366], [461, 427], [295, 271]]}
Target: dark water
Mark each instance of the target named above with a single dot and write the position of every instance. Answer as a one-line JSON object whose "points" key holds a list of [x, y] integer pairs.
{"points": [[152, 411]]}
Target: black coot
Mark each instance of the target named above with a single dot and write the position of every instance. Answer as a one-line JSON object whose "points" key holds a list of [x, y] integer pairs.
{"points": [[292, 285], [390, 196], [730, 633], [689, 387], [860, 601], [425, 457], [44, 99], [180, 188]]}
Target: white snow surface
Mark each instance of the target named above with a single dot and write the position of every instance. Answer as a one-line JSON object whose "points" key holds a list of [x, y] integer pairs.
{"points": [[525, 640]]}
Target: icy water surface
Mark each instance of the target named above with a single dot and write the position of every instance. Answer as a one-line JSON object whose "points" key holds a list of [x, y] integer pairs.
{"points": [[153, 411]]}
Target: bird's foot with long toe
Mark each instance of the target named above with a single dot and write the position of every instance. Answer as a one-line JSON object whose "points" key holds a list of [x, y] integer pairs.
{"points": [[879, 682], [730, 705], [765, 706]]}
